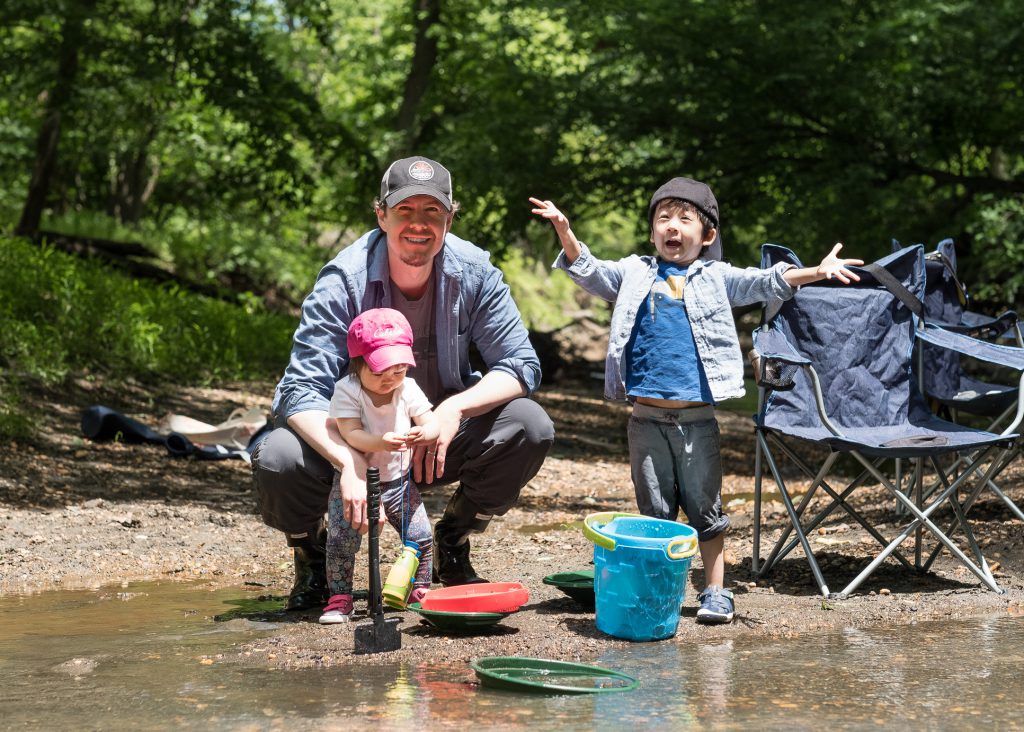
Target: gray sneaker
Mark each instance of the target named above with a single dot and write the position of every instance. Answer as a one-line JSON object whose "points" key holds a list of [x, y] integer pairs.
{"points": [[715, 605]]}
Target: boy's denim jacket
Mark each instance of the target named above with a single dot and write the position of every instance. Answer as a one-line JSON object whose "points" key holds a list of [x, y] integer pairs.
{"points": [[472, 302], [712, 289]]}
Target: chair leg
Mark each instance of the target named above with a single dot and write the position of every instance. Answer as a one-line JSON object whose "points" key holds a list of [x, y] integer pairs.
{"points": [[921, 517], [778, 553], [969, 535], [1005, 459], [795, 518], [960, 511], [919, 502], [838, 500], [1008, 456], [755, 557]]}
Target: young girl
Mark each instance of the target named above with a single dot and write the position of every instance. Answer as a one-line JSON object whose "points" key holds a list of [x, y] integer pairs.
{"points": [[381, 413]]}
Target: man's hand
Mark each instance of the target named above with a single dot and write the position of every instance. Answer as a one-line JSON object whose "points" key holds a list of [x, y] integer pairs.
{"points": [[428, 460], [832, 266]]}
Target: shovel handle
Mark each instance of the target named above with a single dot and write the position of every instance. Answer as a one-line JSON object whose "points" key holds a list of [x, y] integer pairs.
{"points": [[376, 607]]}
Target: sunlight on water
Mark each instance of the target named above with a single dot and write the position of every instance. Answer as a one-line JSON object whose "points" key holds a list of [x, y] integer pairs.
{"points": [[146, 657]]}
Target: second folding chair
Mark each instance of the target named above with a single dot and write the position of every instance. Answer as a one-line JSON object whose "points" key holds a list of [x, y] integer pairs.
{"points": [[950, 388]]}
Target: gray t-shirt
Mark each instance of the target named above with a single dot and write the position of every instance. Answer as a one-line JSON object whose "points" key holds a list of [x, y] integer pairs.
{"points": [[420, 314]]}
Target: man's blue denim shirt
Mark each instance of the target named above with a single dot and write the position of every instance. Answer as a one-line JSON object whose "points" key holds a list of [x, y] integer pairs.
{"points": [[473, 304], [712, 289]]}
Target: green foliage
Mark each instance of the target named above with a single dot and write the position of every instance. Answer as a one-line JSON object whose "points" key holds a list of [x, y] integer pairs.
{"points": [[247, 251], [546, 302], [59, 314], [228, 134], [14, 423], [995, 269]]}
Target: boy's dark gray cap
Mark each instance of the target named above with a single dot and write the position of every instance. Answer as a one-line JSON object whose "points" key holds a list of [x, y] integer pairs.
{"points": [[700, 195], [416, 176]]}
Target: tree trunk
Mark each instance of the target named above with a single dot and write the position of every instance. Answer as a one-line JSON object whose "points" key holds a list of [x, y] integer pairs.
{"points": [[427, 15], [134, 180], [49, 133]]}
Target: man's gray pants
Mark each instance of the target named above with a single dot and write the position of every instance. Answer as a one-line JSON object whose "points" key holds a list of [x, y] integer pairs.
{"points": [[492, 456]]}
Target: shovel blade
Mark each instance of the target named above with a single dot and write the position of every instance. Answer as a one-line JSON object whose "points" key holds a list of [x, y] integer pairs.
{"points": [[378, 636]]}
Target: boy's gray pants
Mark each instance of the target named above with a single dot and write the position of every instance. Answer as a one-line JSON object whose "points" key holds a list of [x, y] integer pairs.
{"points": [[492, 455]]}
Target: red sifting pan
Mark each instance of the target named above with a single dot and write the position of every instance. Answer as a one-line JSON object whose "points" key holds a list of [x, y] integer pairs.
{"points": [[485, 597]]}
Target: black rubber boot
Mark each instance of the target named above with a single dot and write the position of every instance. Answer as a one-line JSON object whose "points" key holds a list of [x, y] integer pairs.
{"points": [[310, 587], [451, 541]]}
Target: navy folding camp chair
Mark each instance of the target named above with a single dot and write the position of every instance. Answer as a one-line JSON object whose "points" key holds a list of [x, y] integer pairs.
{"points": [[833, 366], [951, 389]]}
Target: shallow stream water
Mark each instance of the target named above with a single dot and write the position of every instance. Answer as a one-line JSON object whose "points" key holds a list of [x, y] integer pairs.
{"points": [[146, 657]]}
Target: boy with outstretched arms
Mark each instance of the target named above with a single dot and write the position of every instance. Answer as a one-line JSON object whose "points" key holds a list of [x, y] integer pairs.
{"points": [[674, 353]]}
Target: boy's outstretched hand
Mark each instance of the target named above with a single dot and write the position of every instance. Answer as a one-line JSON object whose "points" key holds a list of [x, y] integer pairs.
{"points": [[832, 266], [568, 240], [549, 211]]}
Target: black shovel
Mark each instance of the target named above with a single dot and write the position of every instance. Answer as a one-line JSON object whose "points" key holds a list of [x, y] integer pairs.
{"points": [[378, 635]]}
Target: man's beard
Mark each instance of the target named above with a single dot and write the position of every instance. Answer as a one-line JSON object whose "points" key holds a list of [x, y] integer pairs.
{"points": [[416, 259]]}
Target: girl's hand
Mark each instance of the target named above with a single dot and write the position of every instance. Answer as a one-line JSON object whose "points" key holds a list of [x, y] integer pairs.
{"points": [[393, 440], [549, 211], [414, 436], [832, 266]]}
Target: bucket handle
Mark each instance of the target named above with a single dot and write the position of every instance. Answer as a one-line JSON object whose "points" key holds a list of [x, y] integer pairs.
{"points": [[688, 544], [606, 517]]}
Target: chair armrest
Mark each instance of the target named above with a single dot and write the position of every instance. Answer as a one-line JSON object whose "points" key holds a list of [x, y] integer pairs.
{"points": [[772, 343], [774, 360], [978, 325], [1009, 356]]}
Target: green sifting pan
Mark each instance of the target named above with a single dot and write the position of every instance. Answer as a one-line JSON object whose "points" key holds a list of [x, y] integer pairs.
{"points": [[542, 676], [577, 585], [457, 622]]}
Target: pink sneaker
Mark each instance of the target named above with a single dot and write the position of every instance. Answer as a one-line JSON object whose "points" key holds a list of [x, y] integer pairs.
{"points": [[338, 610], [418, 594]]}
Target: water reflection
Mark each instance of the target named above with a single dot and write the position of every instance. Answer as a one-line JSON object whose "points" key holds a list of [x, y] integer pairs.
{"points": [[148, 658]]}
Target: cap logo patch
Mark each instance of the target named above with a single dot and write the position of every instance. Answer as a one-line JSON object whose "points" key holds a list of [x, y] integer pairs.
{"points": [[421, 170], [387, 331]]}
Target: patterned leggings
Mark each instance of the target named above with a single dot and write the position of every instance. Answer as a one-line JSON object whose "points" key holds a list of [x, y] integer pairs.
{"points": [[343, 541]]}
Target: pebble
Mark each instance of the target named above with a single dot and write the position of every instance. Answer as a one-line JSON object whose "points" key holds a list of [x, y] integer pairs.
{"points": [[77, 666]]}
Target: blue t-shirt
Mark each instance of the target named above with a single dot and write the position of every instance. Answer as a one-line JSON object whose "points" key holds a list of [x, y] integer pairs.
{"points": [[661, 355]]}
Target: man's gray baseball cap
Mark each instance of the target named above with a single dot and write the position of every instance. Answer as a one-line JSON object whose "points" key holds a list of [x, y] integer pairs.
{"points": [[416, 176]]}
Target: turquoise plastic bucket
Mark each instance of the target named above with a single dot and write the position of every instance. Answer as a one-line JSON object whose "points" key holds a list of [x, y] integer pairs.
{"points": [[640, 569]]}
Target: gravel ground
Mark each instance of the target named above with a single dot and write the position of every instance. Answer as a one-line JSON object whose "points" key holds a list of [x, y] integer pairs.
{"points": [[75, 514]]}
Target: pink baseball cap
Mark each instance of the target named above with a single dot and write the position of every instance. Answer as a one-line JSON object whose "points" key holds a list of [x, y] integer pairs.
{"points": [[383, 337]]}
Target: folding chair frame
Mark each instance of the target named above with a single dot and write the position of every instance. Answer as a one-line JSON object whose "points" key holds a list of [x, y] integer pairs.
{"points": [[921, 514]]}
